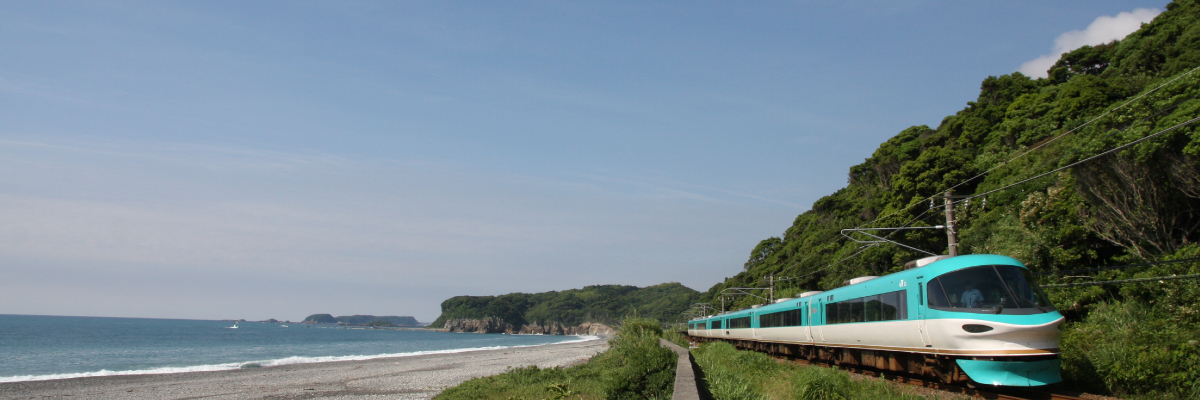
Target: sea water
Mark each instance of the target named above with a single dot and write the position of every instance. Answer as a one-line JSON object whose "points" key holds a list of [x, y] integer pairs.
{"points": [[48, 347]]}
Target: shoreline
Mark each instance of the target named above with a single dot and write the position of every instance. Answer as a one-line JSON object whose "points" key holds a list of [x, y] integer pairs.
{"points": [[405, 377], [269, 363]]}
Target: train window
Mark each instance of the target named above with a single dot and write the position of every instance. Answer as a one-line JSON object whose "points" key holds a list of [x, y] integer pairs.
{"points": [[893, 306], [1003, 289], [1017, 280], [871, 309], [844, 313], [781, 318], [937, 295], [716, 324], [736, 323], [881, 307], [856, 310]]}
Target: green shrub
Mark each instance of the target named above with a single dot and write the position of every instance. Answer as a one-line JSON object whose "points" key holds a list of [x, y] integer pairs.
{"points": [[1127, 349], [676, 337], [634, 367]]}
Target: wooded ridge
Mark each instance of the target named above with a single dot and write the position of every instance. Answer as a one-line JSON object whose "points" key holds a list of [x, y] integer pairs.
{"points": [[1096, 165]]}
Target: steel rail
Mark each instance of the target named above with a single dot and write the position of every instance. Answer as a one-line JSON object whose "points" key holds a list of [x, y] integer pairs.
{"points": [[1003, 393]]}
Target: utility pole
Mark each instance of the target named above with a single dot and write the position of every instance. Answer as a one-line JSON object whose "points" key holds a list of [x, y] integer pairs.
{"points": [[951, 232], [771, 280]]}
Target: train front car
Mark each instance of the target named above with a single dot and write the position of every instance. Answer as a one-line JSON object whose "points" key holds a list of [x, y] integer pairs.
{"points": [[987, 314]]}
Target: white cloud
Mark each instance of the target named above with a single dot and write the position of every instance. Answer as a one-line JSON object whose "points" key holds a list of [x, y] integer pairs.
{"points": [[1103, 30]]}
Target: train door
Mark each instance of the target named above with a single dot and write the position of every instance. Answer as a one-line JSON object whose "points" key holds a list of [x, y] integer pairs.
{"points": [[753, 326], [819, 317], [808, 320], [922, 327]]}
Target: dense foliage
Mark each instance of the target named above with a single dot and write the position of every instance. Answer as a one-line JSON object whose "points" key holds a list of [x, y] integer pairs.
{"points": [[634, 367], [1139, 204], [730, 374], [601, 303]]}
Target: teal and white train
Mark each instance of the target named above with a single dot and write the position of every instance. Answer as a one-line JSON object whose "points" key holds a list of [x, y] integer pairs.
{"points": [[978, 318]]}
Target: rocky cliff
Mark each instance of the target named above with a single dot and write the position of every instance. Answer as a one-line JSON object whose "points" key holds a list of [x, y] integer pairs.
{"points": [[496, 325]]}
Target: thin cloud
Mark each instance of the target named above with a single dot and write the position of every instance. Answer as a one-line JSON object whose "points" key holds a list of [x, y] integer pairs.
{"points": [[1103, 30]]}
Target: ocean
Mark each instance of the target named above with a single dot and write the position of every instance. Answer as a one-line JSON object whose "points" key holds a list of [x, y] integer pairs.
{"points": [[34, 347]]}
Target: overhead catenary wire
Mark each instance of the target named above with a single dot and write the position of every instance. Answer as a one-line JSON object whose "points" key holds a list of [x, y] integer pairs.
{"points": [[1064, 134], [1117, 267], [1120, 281], [967, 199], [1110, 151], [1014, 158], [1022, 154]]}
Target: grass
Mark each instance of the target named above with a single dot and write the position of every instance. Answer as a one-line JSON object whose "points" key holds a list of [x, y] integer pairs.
{"points": [[634, 367], [731, 374]]}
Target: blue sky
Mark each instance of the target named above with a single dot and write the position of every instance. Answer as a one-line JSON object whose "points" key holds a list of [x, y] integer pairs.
{"points": [[277, 159]]}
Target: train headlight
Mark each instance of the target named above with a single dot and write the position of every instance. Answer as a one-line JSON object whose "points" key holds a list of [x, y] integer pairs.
{"points": [[975, 328]]}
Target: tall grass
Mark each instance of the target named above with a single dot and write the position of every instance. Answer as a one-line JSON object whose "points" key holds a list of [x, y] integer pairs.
{"points": [[1123, 348], [731, 374], [634, 367], [1138, 340]]}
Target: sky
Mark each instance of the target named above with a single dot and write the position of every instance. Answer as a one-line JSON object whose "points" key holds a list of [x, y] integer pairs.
{"points": [[229, 159]]}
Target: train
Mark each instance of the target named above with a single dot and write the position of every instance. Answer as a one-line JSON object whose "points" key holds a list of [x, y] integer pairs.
{"points": [[970, 319]]}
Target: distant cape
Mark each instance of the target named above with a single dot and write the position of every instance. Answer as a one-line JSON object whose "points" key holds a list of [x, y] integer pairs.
{"points": [[373, 320]]}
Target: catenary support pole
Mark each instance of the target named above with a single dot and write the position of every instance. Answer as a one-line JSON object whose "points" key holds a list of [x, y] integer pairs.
{"points": [[951, 232]]}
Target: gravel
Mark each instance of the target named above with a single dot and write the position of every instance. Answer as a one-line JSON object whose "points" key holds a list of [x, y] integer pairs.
{"points": [[415, 377]]}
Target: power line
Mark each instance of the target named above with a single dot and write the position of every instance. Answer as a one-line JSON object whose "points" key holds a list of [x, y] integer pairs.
{"points": [[1164, 109], [1022, 154], [1118, 148], [1160, 278], [1006, 162], [1076, 271], [1089, 122]]}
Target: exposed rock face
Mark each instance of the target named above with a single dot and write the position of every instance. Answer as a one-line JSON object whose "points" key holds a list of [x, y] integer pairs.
{"points": [[587, 328], [496, 325], [486, 325]]}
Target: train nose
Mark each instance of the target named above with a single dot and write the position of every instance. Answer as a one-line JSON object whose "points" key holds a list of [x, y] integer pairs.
{"points": [[1012, 373]]}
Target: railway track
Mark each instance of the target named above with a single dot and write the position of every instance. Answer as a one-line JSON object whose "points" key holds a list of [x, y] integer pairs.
{"points": [[1006, 393]]}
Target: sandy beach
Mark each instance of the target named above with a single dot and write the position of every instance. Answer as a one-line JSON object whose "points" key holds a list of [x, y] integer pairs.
{"points": [[415, 377]]}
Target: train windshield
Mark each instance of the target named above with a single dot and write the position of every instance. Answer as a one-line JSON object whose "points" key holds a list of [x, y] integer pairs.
{"points": [[989, 289]]}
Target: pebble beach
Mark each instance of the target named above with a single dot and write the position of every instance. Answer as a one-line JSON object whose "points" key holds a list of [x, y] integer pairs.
{"points": [[412, 377]]}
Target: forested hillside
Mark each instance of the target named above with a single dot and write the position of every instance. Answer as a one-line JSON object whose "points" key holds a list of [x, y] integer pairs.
{"points": [[604, 304], [1136, 205]]}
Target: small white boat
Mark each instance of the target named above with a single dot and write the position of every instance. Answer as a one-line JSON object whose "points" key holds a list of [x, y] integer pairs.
{"points": [[234, 325]]}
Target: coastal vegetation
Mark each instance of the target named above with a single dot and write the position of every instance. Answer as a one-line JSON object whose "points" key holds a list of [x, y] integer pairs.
{"points": [[1033, 156], [605, 304], [634, 367]]}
